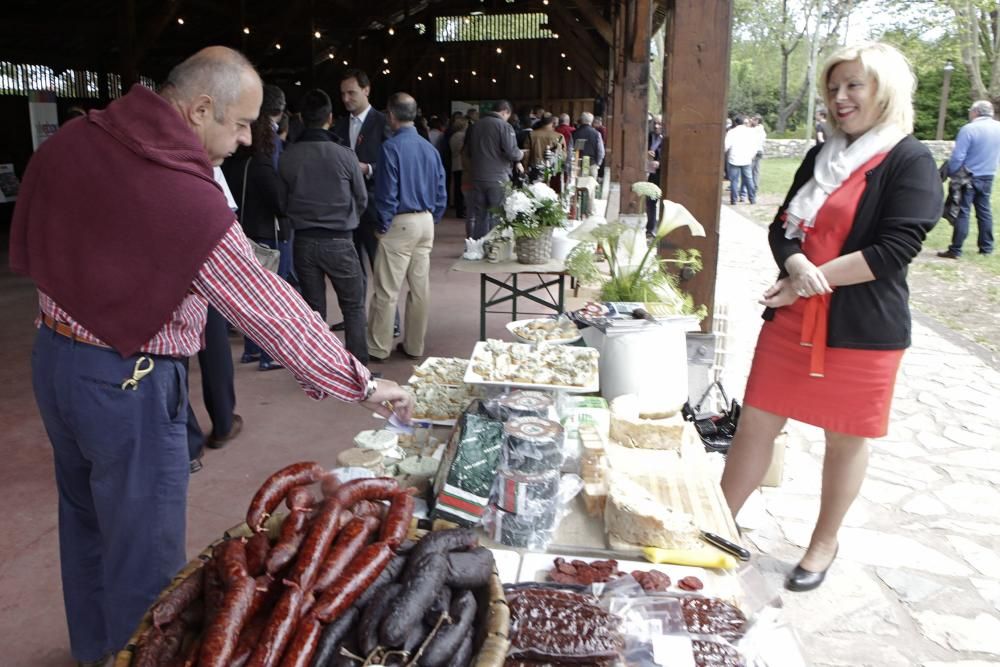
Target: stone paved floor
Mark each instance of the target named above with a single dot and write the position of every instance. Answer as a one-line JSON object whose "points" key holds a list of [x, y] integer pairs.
{"points": [[917, 580]]}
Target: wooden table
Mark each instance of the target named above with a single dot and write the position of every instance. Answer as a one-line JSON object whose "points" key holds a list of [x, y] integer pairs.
{"points": [[507, 289]]}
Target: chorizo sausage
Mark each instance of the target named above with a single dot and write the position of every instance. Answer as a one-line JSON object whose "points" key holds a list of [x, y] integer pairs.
{"points": [[372, 488], [191, 654], [332, 635], [417, 595], [471, 569], [329, 484], [267, 589], [233, 562], [213, 585], [358, 576], [278, 629], [449, 638], [455, 539], [368, 508], [277, 486], [248, 640], [397, 521], [300, 498], [386, 577], [315, 545], [257, 548], [367, 634], [293, 531], [219, 639], [177, 600], [300, 651], [348, 544]]}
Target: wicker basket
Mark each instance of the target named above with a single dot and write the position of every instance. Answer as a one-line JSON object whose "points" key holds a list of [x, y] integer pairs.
{"points": [[493, 619], [534, 251]]}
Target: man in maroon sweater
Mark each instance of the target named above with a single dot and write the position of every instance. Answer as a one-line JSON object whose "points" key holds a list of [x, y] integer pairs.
{"points": [[127, 255]]}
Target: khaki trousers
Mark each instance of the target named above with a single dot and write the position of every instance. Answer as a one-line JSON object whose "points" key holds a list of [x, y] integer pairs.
{"points": [[403, 252]]}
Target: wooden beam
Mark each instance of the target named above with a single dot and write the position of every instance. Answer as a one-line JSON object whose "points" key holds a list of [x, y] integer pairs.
{"points": [[594, 18], [156, 27], [581, 47], [631, 98], [695, 83]]}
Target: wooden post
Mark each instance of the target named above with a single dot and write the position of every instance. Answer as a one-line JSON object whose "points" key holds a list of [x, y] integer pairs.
{"points": [[633, 23], [695, 82]]}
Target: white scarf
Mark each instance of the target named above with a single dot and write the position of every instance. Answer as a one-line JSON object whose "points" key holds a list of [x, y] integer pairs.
{"points": [[835, 163]]}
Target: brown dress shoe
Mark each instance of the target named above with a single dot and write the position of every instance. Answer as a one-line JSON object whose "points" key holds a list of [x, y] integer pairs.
{"points": [[213, 442], [948, 254]]}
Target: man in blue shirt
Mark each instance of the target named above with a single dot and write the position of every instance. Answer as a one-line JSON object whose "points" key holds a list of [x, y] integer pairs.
{"points": [[410, 197], [977, 148]]}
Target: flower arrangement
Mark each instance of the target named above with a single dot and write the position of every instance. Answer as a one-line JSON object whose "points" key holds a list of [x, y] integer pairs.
{"points": [[635, 271], [530, 210]]}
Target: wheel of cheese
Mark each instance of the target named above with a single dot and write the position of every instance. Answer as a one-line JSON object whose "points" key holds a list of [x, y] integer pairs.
{"points": [[632, 427]]}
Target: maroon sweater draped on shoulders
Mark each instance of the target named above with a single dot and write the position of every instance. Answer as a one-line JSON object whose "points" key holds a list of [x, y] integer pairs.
{"points": [[116, 214]]}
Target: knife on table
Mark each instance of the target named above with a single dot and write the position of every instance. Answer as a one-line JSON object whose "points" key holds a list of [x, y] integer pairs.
{"points": [[726, 545]]}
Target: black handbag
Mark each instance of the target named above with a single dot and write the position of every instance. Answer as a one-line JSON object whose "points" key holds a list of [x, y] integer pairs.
{"points": [[715, 430], [269, 258]]}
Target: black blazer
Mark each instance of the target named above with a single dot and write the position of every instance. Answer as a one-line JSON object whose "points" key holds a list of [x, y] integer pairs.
{"points": [[373, 132], [902, 201]]}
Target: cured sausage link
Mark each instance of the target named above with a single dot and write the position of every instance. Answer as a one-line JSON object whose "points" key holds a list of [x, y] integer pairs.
{"points": [[300, 652], [315, 546], [278, 630], [397, 521], [277, 486], [177, 600], [358, 576], [373, 488], [219, 641], [348, 544]]}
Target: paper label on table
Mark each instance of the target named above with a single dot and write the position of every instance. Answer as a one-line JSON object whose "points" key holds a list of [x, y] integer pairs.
{"points": [[673, 651]]}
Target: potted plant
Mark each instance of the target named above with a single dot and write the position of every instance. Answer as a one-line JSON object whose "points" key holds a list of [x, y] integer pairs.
{"points": [[531, 213], [635, 272]]}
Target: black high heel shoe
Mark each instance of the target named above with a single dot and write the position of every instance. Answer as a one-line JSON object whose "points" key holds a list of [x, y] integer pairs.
{"points": [[801, 579]]}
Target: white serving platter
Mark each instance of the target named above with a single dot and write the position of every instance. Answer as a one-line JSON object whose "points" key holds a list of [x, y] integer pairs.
{"points": [[471, 377], [512, 326], [426, 364]]}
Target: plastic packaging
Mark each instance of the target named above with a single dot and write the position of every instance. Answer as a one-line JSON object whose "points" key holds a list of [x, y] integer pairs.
{"points": [[521, 493], [524, 403], [535, 525], [532, 445], [549, 624]]}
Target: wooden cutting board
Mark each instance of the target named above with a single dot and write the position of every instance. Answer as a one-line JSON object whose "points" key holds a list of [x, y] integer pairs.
{"points": [[683, 482]]}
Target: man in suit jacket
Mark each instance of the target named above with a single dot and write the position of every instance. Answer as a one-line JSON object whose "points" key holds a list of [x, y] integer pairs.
{"points": [[363, 130]]}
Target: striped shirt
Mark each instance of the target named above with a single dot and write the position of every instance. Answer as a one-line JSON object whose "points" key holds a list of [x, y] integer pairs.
{"points": [[261, 305]]}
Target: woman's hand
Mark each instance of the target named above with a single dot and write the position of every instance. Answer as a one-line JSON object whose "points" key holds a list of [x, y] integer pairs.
{"points": [[389, 398], [781, 293], [807, 279]]}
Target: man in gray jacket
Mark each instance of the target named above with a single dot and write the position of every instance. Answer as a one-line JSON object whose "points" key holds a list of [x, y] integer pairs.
{"points": [[324, 195], [491, 152]]}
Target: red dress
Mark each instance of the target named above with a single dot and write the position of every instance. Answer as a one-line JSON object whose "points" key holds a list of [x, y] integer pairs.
{"points": [[794, 374]]}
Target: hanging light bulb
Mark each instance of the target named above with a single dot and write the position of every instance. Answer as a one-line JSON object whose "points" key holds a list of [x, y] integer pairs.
{"points": [[331, 56], [562, 55], [569, 68], [499, 50], [441, 58], [456, 80], [430, 75], [517, 67], [317, 34], [385, 60], [246, 31], [420, 78], [392, 31], [493, 80], [345, 63], [277, 46], [180, 21], [473, 72], [531, 76]]}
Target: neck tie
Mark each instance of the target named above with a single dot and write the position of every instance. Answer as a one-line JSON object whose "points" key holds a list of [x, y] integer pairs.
{"points": [[355, 131]]}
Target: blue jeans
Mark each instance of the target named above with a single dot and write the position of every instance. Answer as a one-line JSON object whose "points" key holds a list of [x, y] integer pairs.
{"points": [[121, 464], [319, 258], [742, 173], [979, 196]]}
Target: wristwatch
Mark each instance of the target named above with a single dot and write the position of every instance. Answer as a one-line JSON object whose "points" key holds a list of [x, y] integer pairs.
{"points": [[370, 388]]}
